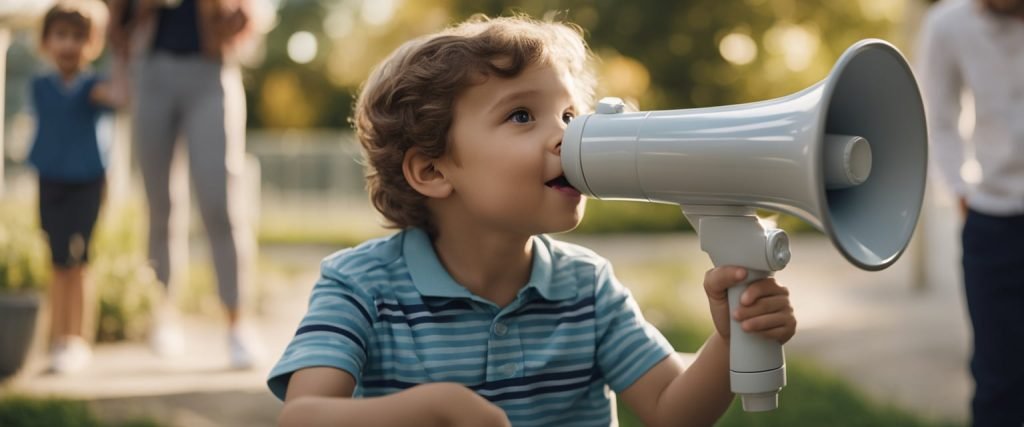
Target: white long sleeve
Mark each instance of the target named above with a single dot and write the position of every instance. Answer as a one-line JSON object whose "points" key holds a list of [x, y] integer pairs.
{"points": [[941, 86], [964, 47]]}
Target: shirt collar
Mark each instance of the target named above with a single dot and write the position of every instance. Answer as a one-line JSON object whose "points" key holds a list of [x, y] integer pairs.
{"points": [[432, 280], [76, 82]]}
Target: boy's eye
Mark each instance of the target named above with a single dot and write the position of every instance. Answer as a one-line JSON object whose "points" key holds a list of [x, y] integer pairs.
{"points": [[567, 117], [520, 116]]}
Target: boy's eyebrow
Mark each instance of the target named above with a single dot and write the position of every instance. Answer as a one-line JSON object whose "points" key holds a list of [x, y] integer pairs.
{"points": [[513, 97]]}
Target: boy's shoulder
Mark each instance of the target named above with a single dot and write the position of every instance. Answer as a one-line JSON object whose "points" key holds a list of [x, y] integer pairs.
{"points": [[43, 78], [566, 254], [363, 259]]}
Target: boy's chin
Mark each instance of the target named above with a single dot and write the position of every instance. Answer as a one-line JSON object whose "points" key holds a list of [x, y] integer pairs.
{"points": [[569, 225]]}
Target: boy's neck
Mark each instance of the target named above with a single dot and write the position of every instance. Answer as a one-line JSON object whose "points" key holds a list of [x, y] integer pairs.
{"points": [[68, 76], [492, 265]]}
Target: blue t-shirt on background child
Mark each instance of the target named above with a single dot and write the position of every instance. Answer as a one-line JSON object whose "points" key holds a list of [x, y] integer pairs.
{"points": [[67, 147]]}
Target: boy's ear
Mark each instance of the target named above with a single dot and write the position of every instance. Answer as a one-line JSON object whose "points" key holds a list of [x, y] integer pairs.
{"points": [[423, 176]]}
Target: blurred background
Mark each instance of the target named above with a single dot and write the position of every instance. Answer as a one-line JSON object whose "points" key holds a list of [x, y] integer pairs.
{"points": [[301, 77], [305, 191]]}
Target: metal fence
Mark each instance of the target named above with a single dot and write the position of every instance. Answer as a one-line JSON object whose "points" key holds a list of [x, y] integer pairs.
{"points": [[308, 170]]}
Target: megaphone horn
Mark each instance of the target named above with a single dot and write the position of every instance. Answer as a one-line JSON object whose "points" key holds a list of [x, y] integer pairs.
{"points": [[847, 155]]}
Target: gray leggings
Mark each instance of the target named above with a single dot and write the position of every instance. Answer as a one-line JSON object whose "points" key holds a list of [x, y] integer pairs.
{"points": [[203, 102]]}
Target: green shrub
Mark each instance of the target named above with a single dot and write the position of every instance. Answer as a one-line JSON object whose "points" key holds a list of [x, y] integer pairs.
{"points": [[616, 216], [22, 411], [23, 253], [19, 411], [604, 216]]}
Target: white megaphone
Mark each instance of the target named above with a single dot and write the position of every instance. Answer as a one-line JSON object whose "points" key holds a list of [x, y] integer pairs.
{"points": [[848, 155]]}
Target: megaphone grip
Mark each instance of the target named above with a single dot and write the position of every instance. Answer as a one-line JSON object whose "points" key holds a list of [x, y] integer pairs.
{"points": [[756, 365], [757, 370], [748, 352]]}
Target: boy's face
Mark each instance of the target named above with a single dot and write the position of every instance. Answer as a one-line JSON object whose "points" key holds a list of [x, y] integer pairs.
{"points": [[65, 43], [504, 161]]}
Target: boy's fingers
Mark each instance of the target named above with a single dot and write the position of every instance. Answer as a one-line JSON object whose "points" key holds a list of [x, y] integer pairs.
{"points": [[762, 288], [766, 322], [780, 334], [717, 280], [765, 305]]}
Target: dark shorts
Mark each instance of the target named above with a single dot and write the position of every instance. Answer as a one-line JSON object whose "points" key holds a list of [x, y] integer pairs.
{"points": [[67, 213]]}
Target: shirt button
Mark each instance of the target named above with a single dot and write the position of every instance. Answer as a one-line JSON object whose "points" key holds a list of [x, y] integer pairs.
{"points": [[500, 329], [509, 369]]}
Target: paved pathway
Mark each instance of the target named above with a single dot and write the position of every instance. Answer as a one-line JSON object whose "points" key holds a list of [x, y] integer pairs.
{"points": [[901, 344]]}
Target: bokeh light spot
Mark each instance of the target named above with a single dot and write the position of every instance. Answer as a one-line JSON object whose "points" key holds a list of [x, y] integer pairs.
{"points": [[302, 47], [738, 48]]}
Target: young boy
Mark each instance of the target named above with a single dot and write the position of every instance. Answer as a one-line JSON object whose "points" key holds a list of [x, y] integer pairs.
{"points": [[470, 315], [70, 161]]}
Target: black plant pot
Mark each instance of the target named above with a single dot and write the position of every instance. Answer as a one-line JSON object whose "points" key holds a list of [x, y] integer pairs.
{"points": [[18, 314]]}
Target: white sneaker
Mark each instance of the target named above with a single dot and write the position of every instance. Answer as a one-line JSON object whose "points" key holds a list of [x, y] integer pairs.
{"points": [[244, 349], [166, 339], [74, 355]]}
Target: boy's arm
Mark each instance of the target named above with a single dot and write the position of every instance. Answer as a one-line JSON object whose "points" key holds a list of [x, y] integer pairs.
{"points": [[321, 396], [671, 394], [113, 93], [668, 394]]}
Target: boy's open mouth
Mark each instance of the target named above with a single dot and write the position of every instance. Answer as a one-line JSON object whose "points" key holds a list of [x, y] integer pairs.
{"points": [[562, 184]]}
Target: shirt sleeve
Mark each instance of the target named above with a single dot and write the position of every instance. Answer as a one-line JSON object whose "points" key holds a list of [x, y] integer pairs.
{"points": [[941, 86], [335, 332], [627, 346], [87, 94]]}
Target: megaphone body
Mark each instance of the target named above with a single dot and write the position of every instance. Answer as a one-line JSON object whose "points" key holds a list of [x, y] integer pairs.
{"points": [[847, 155]]}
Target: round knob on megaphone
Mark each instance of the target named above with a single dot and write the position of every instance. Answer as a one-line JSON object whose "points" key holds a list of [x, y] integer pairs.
{"points": [[847, 161]]}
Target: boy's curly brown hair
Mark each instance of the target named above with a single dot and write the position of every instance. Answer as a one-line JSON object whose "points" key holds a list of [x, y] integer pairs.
{"points": [[408, 100], [90, 16]]}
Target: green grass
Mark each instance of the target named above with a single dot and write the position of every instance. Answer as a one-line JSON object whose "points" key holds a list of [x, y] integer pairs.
{"points": [[22, 411]]}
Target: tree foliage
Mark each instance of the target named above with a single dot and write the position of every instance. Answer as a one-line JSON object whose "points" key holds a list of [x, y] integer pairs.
{"points": [[662, 54]]}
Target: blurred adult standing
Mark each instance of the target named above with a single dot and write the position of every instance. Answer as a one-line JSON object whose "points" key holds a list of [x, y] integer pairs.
{"points": [[189, 88], [978, 46]]}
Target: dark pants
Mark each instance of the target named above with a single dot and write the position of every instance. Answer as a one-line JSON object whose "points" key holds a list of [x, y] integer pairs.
{"points": [[67, 213], [993, 259]]}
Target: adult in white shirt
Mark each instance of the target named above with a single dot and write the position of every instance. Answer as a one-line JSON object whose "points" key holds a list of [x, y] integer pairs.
{"points": [[978, 46]]}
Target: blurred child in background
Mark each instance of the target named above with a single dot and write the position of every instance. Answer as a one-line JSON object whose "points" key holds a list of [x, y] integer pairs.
{"points": [[70, 158]]}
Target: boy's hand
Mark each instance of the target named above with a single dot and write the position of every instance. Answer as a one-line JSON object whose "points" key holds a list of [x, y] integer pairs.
{"points": [[458, 406], [764, 307]]}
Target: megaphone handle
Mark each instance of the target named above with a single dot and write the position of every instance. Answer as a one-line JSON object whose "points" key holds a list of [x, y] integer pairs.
{"points": [[757, 370], [756, 365]]}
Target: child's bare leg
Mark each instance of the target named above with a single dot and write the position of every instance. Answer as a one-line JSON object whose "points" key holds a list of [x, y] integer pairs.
{"points": [[59, 305], [75, 301]]}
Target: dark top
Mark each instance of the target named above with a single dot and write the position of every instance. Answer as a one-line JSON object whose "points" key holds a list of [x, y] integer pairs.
{"points": [[177, 29]]}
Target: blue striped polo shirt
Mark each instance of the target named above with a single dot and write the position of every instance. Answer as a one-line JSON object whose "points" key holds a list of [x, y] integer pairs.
{"points": [[388, 313]]}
